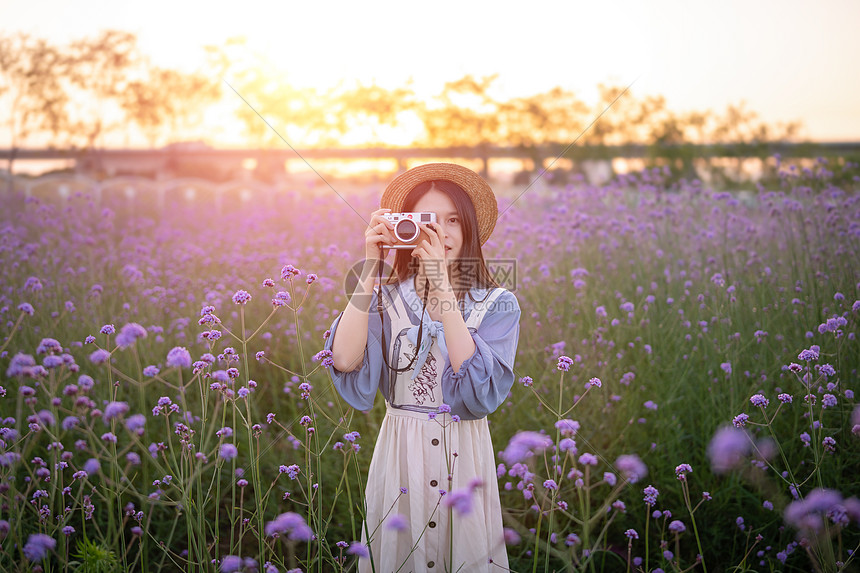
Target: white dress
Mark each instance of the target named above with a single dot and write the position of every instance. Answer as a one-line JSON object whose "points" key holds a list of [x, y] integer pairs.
{"points": [[417, 531], [419, 454]]}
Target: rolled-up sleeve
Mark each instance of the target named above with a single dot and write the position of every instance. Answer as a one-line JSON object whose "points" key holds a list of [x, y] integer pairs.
{"points": [[486, 377], [358, 387]]}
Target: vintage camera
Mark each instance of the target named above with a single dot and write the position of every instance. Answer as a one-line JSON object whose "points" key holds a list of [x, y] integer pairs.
{"points": [[406, 229]]}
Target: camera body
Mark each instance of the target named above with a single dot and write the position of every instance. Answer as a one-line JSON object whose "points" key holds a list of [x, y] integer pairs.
{"points": [[406, 230]]}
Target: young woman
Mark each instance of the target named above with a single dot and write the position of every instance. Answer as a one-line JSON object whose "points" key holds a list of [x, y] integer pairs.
{"points": [[442, 356]]}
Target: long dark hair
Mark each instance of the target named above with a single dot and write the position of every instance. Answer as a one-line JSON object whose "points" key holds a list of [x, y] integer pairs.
{"points": [[469, 269]]}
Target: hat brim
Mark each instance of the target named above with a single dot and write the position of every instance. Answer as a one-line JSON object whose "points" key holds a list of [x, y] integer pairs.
{"points": [[478, 190]]}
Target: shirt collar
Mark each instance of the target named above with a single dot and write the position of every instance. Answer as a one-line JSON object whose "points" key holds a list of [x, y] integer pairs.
{"points": [[413, 301]]}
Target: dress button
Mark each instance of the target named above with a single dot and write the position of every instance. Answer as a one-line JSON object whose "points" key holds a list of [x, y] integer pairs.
{"points": [[434, 441], [433, 483], [431, 564], [432, 524]]}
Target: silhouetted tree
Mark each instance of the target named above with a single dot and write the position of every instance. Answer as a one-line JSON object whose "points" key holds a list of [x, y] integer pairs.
{"points": [[168, 99], [31, 91], [464, 114], [100, 70], [372, 107]]}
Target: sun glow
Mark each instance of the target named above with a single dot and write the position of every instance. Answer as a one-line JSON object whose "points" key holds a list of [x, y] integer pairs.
{"points": [[698, 57]]}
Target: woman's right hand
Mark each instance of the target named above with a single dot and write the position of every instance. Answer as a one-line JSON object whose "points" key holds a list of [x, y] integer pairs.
{"points": [[379, 231]]}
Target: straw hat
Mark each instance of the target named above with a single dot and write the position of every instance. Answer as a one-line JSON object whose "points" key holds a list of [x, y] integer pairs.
{"points": [[478, 190]]}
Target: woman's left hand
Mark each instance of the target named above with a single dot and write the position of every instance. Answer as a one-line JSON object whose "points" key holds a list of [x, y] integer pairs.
{"points": [[431, 254]]}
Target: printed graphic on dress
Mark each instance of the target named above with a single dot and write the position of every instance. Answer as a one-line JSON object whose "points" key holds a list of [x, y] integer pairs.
{"points": [[425, 383]]}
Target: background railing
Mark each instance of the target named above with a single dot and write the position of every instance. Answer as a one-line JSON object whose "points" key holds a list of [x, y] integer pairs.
{"points": [[133, 189], [485, 153]]}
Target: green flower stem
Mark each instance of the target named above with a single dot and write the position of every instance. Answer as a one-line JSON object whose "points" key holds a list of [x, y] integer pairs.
{"points": [[537, 541], [686, 490], [259, 328], [647, 526], [253, 457], [14, 330]]}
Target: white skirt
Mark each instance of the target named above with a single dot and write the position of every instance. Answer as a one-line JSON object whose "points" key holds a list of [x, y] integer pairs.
{"points": [[415, 453]]}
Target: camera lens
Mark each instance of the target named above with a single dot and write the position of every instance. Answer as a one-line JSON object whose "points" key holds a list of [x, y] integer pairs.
{"points": [[406, 231]]}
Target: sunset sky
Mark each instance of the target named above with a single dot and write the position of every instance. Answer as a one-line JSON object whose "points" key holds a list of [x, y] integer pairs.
{"points": [[788, 59]]}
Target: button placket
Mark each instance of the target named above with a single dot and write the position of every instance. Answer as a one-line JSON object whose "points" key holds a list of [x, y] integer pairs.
{"points": [[435, 467]]}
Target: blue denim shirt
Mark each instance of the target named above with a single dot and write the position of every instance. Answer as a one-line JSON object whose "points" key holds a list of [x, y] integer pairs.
{"points": [[484, 379]]}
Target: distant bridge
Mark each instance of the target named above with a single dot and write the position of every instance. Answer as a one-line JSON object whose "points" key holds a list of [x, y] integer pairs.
{"points": [[163, 159]]}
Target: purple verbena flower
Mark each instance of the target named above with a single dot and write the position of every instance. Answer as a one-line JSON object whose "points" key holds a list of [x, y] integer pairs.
{"points": [[564, 363], [511, 536], [129, 334], [567, 445], [288, 272], [809, 355], [567, 427], [682, 470], [231, 564], [100, 356], [228, 451], [806, 514], [397, 522], [49, 345], [292, 524], [38, 546], [360, 550], [114, 410], [460, 500], [92, 466], [651, 494], [282, 298], [826, 370], [728, 448], [241, 297], [178, 357], [631, 467], [523, 444], [292, 471]]}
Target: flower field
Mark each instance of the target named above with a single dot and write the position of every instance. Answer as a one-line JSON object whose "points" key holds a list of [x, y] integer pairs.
{"points": [[687, 367]]}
